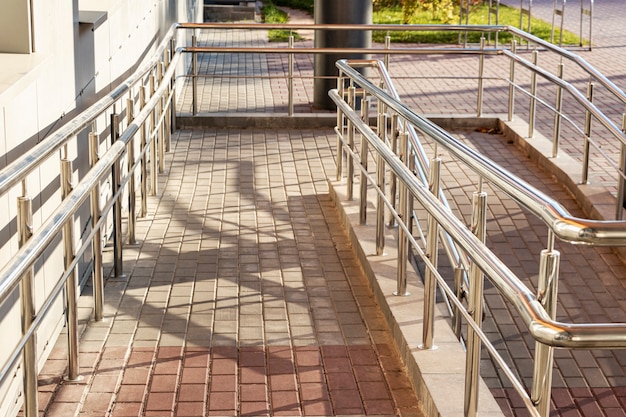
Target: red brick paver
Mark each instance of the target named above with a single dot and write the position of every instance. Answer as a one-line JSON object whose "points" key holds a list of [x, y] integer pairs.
{"points": [[247, 308]]}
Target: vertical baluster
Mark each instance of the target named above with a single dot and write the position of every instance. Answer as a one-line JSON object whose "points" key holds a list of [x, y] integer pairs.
{"points": [[144, 157], [117, 207], [194, 77], [392, 178], [512, 83], [290, 77], [130, 149], [350, 160], [621, 182], [27, 304], [586, 149], [533, 97], [544, 355], [160, 120], [340, 129], [387, 46], [410, 200], [380, 170], [403, 241], [167, 117], [432, 249], [459, 294], [173, 88], [71, 285], [557, 115], [481, 74], [475, 308], [364, 154], [96, 242], [152, 138]]}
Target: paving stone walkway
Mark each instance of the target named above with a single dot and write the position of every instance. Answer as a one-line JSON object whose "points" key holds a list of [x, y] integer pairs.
{"points": [[243, 297]]}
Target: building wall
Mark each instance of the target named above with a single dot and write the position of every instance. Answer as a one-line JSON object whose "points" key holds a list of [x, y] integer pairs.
{"points": [[82, 50]]}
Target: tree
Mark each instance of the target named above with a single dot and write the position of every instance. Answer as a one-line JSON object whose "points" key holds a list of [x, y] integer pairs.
{"points": [[409, 7]]}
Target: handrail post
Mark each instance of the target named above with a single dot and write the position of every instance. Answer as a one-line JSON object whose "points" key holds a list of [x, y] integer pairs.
{"points": [[387, 46], [544, 354], [393, 181], [557, 115], [585, 166], [130, 149], [27, 304], [161, 121], [71, 284], [432, 247], [459, 293], [117, 207], [481, 72], [144, 163], [194, 77], [512, 83], [154, 184], [380, 171], [96, 242], [351, 129], [403, 241], [364, 151], [173, 88], [340, 129], [533, 98], [621, 184], [167, 107], [475, 308], [290, 76], [410, 203]]}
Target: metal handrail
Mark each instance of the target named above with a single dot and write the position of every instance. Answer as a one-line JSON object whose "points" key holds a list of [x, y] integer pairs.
{"points": [[565, 226], [17, 170], [578, 60], [537, 311], [33, 248], [21, 263], [612, 127], [421, 164]]}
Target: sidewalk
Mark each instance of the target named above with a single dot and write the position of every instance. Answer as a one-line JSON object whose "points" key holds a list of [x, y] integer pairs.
{"points": [[245, 296]]}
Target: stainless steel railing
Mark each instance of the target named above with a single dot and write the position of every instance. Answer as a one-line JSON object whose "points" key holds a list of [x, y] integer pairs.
{"points": [[538, 311], [146, 98], [594, 139], [152, 86]]}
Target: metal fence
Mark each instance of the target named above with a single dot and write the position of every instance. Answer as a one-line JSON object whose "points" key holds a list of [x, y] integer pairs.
{"points": [[420, 186], [136, 119]]}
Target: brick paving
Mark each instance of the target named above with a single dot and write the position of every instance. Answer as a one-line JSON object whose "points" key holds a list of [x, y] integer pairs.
{"points": [[244, 296], [592, 288]]}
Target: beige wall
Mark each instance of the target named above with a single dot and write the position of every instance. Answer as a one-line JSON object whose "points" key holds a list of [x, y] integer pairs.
{"points": [[75, 62]]}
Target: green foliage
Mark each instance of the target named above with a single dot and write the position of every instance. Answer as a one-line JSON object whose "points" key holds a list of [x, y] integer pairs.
{"points": [[306, 5], [272, 14], [422, 12], [383, 4], [478, 16], [409, 8]]}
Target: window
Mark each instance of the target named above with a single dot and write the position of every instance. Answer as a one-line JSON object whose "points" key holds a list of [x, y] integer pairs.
{"points": [[16, 34]]}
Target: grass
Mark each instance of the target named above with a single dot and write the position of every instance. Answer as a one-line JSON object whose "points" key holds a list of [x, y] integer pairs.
{"points": [[306, 5], [272, 14], [507, 16]]}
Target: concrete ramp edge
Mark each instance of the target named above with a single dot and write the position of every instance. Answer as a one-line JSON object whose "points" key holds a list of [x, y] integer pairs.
{"points": [[437, 375]]}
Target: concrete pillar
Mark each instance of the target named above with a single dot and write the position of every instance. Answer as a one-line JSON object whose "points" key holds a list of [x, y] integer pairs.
{"points": [[338, 12]]}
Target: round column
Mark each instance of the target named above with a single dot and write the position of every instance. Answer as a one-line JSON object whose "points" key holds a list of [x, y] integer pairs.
{"points": [[338, 12]]}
